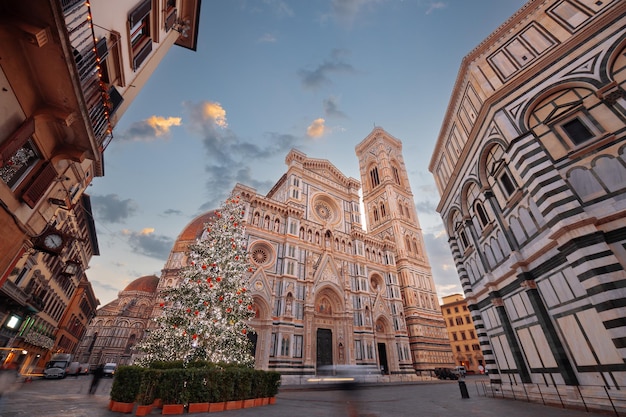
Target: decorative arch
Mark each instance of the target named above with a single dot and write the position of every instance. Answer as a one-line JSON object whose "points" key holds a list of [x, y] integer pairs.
{"points": [[262, 310], [328, 301]]}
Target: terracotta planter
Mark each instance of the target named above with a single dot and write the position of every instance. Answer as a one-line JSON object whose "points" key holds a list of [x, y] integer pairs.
{"points": [[198, 408], [111, 404], [157, 403], [258, 402], [249, 403], [265, 400], [143, 410], [272, 400], [214, 407], [173, 409], [234, 405], [122, 407]]}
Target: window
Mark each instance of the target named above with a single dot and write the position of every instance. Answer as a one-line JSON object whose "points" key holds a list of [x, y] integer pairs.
{"points": [[139, 33], [297, 346], [482, 214], [375, 181], [273, 344], [507, 183], [577, 131], [459, 321], [396, 175], [284, 346], [18, 154]]}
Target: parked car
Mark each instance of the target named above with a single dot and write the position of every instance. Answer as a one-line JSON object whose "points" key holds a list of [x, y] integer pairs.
{"points": [[84, 368], [445, 373], [460, 371], [109, 369]]}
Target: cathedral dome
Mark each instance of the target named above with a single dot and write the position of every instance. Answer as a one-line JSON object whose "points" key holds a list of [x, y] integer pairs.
{"points": [[148, 283], [196, 226]]}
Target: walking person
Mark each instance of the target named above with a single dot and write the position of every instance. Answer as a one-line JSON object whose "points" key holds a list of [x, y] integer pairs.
{"points": [[97, 376]]}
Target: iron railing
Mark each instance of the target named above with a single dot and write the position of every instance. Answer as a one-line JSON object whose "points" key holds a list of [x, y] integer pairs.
{"points": [[591, 398]]}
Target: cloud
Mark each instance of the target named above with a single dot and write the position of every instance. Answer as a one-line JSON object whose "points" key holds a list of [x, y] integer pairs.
{"points": [[436, 6], [331, 108], [147, 243], [320, 76], [443, 268], [173, 212], [111, 209], [150, 129], [347, 11], [228, 156], [215, 113], [316, 129], [267, 38]]}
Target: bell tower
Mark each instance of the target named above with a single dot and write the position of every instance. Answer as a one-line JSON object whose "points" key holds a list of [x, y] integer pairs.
{"points": [[390, 214]]}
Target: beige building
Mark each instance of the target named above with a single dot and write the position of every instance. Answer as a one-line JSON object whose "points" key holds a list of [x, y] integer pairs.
{"points": [[69, 70], [327, 291], [530, 164], [462, 334]]}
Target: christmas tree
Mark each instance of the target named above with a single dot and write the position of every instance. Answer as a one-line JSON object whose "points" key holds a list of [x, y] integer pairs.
{"points": [[206, 316]]}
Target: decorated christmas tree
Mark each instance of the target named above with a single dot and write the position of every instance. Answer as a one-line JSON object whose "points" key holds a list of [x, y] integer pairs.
{"points": [[206, 316]]}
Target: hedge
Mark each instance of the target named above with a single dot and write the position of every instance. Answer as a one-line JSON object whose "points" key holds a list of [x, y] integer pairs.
{"points": [[198, 382]]}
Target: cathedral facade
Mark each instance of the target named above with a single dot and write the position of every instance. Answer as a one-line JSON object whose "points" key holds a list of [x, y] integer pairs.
{"points": [[326, 291]]}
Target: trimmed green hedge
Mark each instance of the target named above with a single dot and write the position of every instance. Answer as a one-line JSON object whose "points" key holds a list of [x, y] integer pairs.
{"points": [[199, 382]]}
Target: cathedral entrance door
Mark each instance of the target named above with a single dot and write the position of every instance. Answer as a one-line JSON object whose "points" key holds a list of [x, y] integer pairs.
{"points": [[382, 355], [324, 348]]}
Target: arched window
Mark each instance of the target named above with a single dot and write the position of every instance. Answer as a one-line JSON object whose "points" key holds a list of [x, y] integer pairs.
{"points": [[401, 209], [396, 174], [407, 241], [375, 181], [482, 214], [383, 212], [375, 214]]}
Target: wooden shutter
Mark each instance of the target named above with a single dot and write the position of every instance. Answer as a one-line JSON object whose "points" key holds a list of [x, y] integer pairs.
{"points": [[142, 55], [140, 12], [39, 185]]}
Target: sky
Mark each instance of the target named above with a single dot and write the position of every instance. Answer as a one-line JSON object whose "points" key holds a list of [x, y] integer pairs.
{"points": [[269, 76]]}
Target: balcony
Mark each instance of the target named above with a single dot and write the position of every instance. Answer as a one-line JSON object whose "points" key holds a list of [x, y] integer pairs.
{"points": [[50, 58]]}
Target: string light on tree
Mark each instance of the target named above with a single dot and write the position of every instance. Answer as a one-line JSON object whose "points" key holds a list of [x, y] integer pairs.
{"points": [[206, 316]]}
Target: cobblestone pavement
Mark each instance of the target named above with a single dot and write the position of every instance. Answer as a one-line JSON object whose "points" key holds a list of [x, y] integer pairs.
{"points": [[70, 398]]}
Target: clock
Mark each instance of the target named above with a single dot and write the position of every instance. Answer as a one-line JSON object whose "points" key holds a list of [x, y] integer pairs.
{"points": [[53, 241]]}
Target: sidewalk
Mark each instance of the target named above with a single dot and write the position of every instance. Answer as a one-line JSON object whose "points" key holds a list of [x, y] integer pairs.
{"points": [[424, 399]]}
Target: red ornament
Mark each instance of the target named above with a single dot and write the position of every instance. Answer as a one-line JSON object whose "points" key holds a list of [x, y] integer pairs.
{"points": [[208, 279], [235, 224], [249, 269], [214, 265], [250, 308], [221, 298], [188, 310], [240, 301], [228, 310], [243, 331], [204, 266], [196, 312], [206, 303], [237, 257], [162, 304], [243, 289], [193, 263], [195, 336], [218, 279]]}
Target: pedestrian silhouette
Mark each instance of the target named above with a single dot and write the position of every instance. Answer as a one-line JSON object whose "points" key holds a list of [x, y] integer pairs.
{"points": [[97, 376]]}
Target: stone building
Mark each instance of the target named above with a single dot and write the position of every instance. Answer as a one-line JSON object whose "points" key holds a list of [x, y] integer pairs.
{"points": [[462, 334], [530, 164], [326, 291], [66, 81], [118, 325]]}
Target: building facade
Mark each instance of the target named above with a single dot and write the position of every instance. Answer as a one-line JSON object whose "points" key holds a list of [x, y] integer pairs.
{"points": [[326, 291], [69, 71], [462, 334], [119, 325], [530, 164]]}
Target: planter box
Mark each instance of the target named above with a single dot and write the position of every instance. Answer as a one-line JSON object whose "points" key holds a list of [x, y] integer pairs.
{"points": [[234, 405], [173, 409], [248, 403], [198, 408], [214, 407], [258, 402], [265, 400], [143, 410], [272, 400], [122, 407], [157, 403]]}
